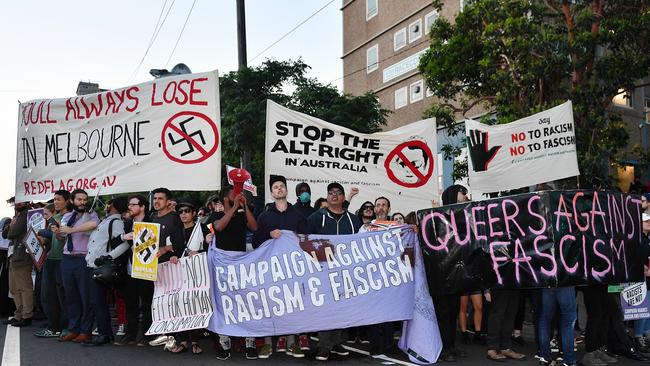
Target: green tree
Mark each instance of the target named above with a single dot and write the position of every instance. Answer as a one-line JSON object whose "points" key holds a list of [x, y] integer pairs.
{"points": [[243, 96], [518, 57]]}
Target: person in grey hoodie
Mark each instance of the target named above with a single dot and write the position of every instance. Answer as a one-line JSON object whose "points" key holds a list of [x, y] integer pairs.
{"points": [[105, 244]]}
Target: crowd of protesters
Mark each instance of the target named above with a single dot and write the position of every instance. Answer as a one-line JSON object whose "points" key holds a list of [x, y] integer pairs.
{"points": [[76, 305]]}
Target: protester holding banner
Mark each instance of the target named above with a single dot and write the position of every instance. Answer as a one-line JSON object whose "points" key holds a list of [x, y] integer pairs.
{"points": [[187, 213], [52, 290], [280, 215], [105, 245], [170, 239], [642, 326], [76, 227], [20, 268], [447, 305], [333, 220], [136, 291], [564, 300], [303, 202], [230, 227]]}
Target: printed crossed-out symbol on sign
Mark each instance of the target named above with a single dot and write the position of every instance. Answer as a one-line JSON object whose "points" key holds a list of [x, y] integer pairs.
{"points": [[189, 137], [190, 146], [146, 254], [410, 164]]}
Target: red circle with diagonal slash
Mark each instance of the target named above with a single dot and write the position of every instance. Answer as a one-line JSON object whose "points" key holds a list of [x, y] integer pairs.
{"points": [[204, 153], [397, 151]]}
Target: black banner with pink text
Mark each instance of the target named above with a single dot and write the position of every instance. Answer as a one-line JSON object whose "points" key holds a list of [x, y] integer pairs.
{"points": [[533, 240]]}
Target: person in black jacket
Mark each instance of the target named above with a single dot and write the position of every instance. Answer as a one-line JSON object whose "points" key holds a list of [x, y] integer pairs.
{"points": [[280, 215], [333, 220], [303, 203]]}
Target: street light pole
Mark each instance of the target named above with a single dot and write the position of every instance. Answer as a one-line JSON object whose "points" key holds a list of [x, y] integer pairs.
{"points": [[241, 33]]}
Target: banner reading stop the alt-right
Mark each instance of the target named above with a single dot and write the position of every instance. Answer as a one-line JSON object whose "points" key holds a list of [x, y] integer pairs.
{"points": [[399, 164]]}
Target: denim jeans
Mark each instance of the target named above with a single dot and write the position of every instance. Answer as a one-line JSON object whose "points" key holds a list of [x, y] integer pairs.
{"points": [[97, 294], [641, 327], [77, 299], [564, 299], [53, 296]]}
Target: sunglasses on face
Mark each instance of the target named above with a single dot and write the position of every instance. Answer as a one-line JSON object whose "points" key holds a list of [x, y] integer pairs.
{"points": [[335, 193], [368, 208], [184, 211]]}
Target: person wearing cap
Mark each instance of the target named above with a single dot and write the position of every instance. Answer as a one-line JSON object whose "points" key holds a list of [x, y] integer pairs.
{"points": [[303, 203], [281, 215], [187, 211], [104, 245], [333, 220]]}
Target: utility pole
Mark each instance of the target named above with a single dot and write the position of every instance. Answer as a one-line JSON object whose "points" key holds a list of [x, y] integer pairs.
{"points": [[241, 33]]}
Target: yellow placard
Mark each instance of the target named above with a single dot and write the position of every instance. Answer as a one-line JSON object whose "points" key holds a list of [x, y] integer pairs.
{"points": [[145, 248]]}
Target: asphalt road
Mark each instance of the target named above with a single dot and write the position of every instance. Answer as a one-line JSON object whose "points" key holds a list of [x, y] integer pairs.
{"points": [[38, 351]]}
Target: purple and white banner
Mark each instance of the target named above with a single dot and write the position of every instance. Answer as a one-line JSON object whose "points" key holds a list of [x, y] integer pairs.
{"points": [[307, 283]]}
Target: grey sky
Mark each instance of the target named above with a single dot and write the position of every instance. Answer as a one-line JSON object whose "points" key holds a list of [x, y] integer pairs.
{"points": [[49, 46]]}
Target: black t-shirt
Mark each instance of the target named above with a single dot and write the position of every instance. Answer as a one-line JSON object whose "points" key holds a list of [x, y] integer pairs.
{"points": [[233, 236], [170, 227], [187, 234]]}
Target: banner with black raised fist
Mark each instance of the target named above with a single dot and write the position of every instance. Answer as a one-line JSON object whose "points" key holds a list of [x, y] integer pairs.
{"points": [[536, 149]]}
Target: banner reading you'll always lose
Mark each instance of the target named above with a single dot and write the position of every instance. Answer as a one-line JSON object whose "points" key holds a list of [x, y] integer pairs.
{"points": [[123, 140], [399, 164]]}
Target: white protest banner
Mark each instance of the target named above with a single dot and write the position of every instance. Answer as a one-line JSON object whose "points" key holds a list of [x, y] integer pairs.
{"points": [[181, 298], [123, 140], [536, 149], [399, 164]]}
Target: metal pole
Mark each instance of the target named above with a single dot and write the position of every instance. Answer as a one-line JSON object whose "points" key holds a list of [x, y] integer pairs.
{"points": [[241, 33]]}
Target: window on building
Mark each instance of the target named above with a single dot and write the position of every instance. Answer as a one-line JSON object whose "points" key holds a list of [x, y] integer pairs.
{"points": [[399, 39], [415, 30], [371, 9], [401, 98], [372, 59], [428, 92], [417, 91], [647, 110], [623, 99], [429, 19], [464, 3]]}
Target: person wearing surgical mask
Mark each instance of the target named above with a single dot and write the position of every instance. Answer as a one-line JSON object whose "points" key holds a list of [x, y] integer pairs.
{"points": [[303, 203]]}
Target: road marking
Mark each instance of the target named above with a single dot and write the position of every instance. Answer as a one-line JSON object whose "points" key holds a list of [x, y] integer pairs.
{"points": [[378, 357], [11, 351]]}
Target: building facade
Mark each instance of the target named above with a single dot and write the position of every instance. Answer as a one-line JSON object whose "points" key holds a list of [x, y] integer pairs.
{"points": [[382, 45]]}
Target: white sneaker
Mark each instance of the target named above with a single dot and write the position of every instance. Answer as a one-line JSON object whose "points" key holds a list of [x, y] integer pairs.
{"points": [[95, 331], [159, 341], [170, 344], [120, 330]]}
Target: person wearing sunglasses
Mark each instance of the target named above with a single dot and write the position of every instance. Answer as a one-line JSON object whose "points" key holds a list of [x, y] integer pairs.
{"points": [[366, 212], [187, 212], [333, 220]]}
